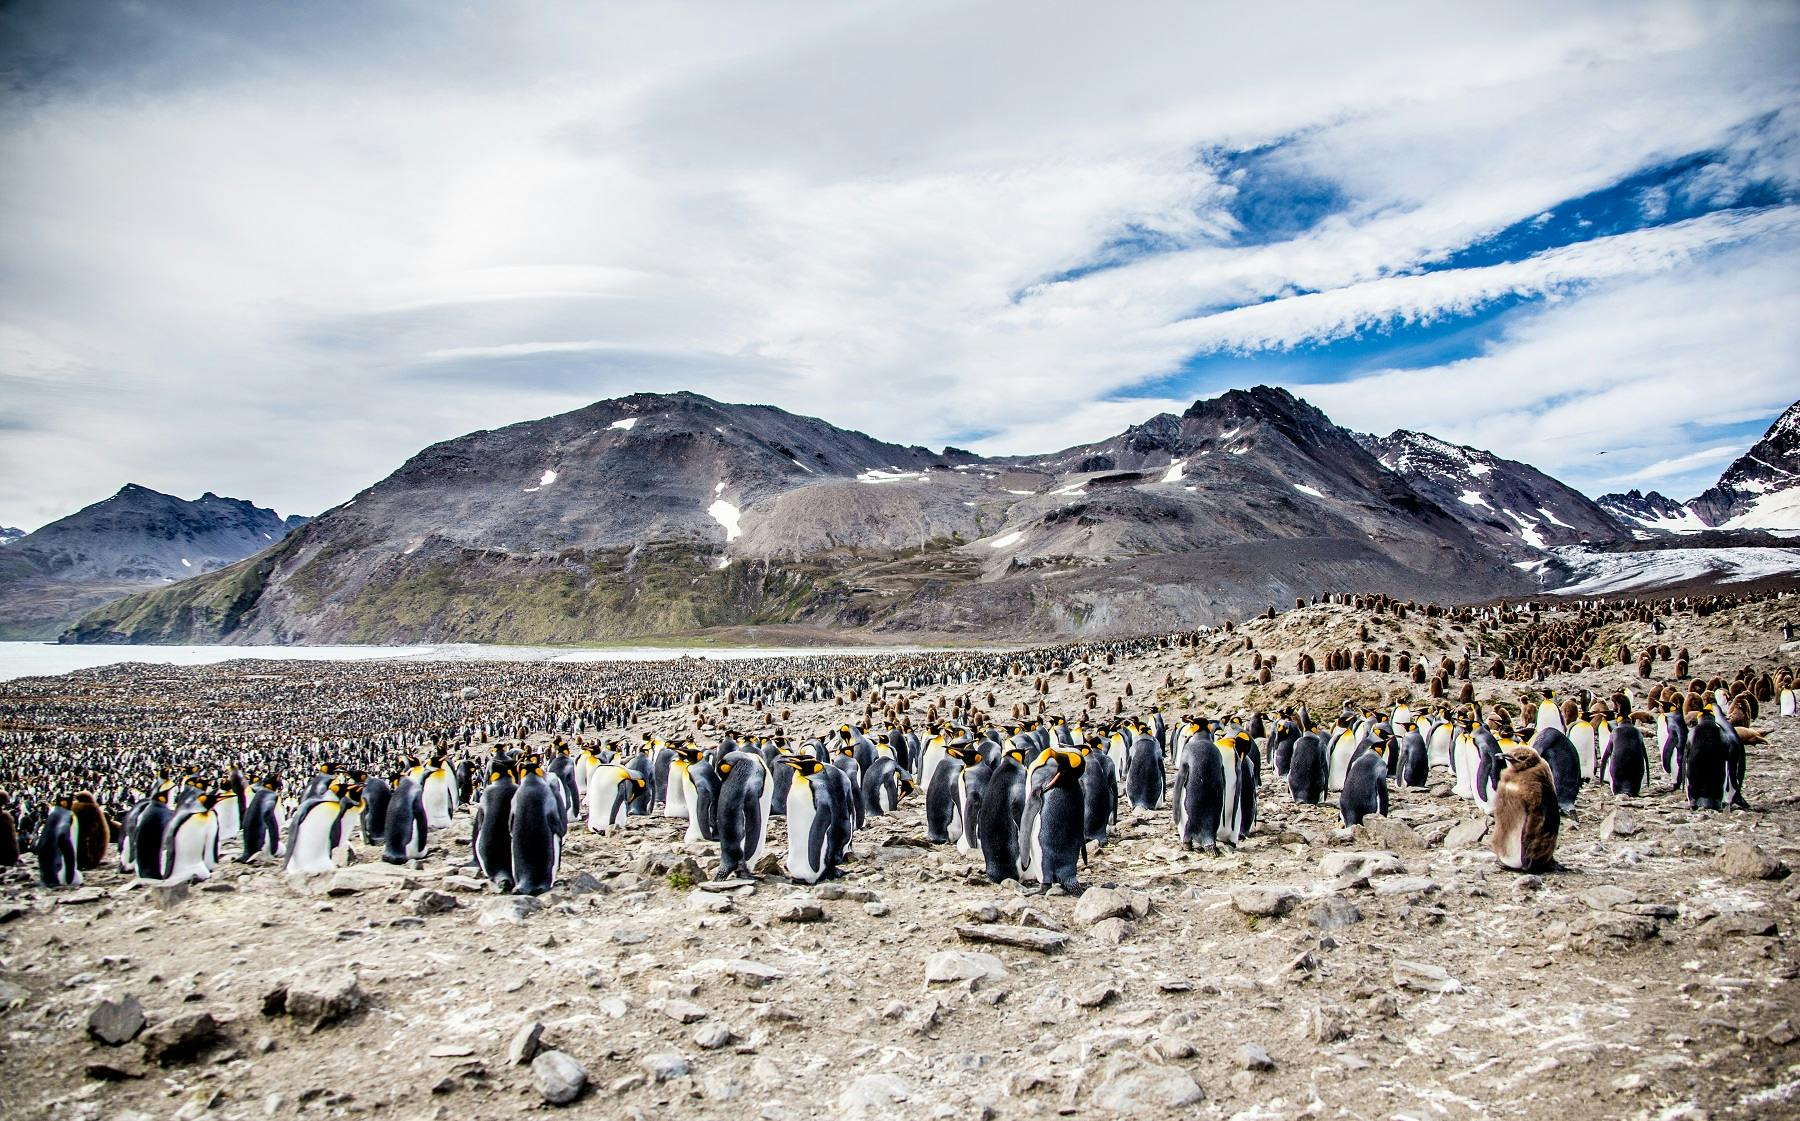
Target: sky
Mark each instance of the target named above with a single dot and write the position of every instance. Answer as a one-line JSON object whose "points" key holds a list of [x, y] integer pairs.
{"points": [[272, 250]]}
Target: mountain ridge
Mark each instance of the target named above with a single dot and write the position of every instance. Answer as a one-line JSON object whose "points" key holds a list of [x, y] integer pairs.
{"points": [[130, 541], [663, 513]]}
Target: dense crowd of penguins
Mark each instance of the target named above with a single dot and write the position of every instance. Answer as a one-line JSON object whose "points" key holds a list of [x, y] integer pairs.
{"points": [[1032, 795]]}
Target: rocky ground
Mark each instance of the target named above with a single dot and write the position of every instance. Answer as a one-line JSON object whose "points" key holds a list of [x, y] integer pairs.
{"points": [[1392, 971]]}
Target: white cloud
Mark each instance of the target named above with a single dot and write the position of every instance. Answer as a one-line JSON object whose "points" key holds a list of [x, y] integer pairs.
{"points": [[279, 276]]}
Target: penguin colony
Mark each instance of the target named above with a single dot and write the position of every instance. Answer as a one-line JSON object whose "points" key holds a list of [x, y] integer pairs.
{"points": [[1033, 795]]}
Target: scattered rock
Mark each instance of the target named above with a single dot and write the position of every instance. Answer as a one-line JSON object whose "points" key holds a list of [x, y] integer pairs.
{"points": [[748, 973], [1360, 865], [525, 1044], [1334, 912], [1422, 977], [1111, 932], [666, 1065], [1742, 860], [801, 910], [1390, 833], [962, 965], [1620, 823], [427, 901], [510, 910], [181, 1038], [1146, 1090], [872, 1094], [711, 1037], [1098, 903], [683, 1011], [1607, 896], [1097, 995], [1266, 901], [318, 998], [1252, 1056], [1466, 834], [1405, 885], [1327, 1025], [559, 1079], [116, 1022], [1022, 937]]}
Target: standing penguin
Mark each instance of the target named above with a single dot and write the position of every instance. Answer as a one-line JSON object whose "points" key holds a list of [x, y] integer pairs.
{"points": [[943, 822], [1526, 816], [1671, 743], [146, 837], [318, 832], [90, 820], [1415, 758], [1306, 770], [818, 824], [437, 792], [376, 793], [1365, 790], [1002, 806], [1706, 765], [406, 823], [881, 786], [262, 826], [1625, 763], [1564, 762], [58, 842], [1054, 822], [1199, 794], [192, 841], [1100, 793], [611, 789], [971, 790], [701, 778], [538, 827], [493, 829], [1144, 773], [743, 813]]}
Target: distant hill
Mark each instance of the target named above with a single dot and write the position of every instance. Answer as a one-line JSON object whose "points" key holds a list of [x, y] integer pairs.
{"points": [[135, 540], [663, 513]]}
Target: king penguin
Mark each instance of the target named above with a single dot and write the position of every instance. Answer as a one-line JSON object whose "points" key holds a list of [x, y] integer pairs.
{"points": [[538, 828], [743, 813]]}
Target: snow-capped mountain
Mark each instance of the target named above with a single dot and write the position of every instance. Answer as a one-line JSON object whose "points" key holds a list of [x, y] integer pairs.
{"points": [[1651, 511], [1760, 490], [8, 534], [1511, 506]]}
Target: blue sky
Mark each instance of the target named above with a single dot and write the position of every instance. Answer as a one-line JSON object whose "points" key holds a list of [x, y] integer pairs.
{"points": [[271, 251]]}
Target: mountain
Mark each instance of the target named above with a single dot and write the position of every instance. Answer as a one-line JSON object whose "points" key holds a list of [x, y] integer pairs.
{"points": [[1651, 511], [668, 513], [137, 539], [1760, 490], [8, 534], [1509, 506]]}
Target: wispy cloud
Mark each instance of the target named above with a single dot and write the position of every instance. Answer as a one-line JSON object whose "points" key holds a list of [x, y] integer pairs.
{"points": [[297, 243]]}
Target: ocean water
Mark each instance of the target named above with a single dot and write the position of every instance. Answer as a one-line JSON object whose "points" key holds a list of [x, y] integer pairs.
{"points": [[34, 659]]}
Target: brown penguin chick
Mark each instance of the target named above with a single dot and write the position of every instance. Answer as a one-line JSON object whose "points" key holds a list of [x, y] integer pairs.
{"points": [[1526, 817], [92, 842]]}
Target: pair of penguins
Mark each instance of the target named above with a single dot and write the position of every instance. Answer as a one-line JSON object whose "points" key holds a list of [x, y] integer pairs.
{"points": [[397, 813], [72, 839], [174, 834]]}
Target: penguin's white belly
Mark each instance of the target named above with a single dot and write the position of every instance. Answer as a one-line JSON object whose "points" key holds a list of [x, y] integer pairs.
{"points": [[800, 813], [1583, 739], [1228, 811], [438, 801], [1341, 748], [311, 842], [1468, 757], [1437, 751], [193, 849], [675, 799], [1790, 706]]}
